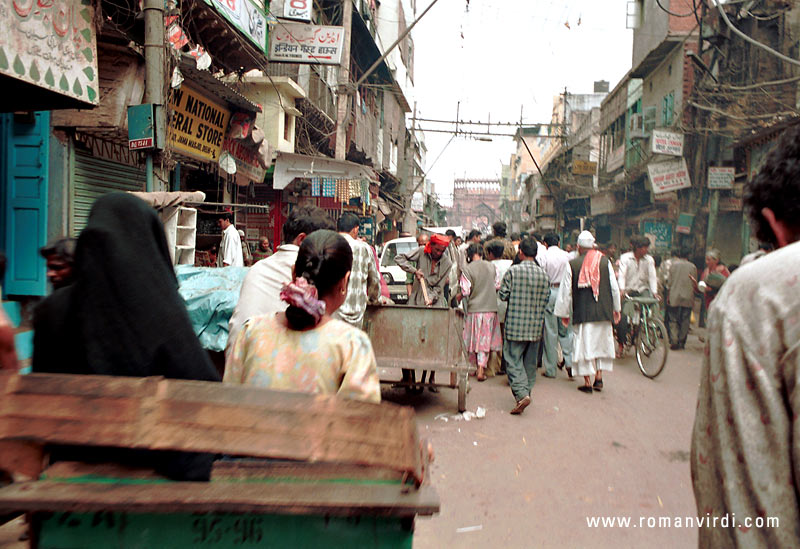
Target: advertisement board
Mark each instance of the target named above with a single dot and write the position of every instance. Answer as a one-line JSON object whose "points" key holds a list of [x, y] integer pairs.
{"points": [[51, 45], [665, 142], [297, 9], [721, 177], [669, 176], [198, 124], [300, 43], [247, 17], [584, 167]]}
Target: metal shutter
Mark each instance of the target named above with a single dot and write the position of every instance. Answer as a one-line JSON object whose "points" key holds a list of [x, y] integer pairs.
{"points": [[92, 178]]}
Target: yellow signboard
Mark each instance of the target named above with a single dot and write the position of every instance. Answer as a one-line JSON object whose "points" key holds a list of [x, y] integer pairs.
{"points": [[582, 167], [198, 125]]}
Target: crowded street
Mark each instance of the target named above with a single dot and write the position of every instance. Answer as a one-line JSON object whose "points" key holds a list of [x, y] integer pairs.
{"points": [[399, 274], [536, 479]]}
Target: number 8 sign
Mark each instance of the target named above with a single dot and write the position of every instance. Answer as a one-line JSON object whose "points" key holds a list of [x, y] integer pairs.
{"points": [[297, 9]]}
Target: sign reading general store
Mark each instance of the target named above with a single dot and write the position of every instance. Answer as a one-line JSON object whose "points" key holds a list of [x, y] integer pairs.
{"points": [[664, 142], [198, 124], [721, 177], [299, 43], [669, 176], [51, 45]]}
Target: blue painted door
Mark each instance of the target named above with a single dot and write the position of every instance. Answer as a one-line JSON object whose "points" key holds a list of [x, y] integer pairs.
{"points": [[25, 163]]}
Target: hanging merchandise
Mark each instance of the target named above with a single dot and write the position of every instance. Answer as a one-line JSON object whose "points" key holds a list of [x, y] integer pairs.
{"points": [[315, 186], [177, 78], [175, 33], [342, 190], [241, 125], [227, 163], [365, 192], [354, 189], [328, 187]]}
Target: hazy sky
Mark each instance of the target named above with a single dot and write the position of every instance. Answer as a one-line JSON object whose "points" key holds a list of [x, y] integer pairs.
{"points": [[500, 55]]}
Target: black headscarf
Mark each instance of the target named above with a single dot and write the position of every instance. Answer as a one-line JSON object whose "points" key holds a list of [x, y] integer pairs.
{"points": [[123, 315], [123, 311]]}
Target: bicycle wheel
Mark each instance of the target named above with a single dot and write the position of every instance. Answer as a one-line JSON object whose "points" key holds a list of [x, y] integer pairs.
{"points": [[651, 348]]}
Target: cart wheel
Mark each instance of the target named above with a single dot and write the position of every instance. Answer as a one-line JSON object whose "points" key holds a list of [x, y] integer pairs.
{"points": [[462, 391]]}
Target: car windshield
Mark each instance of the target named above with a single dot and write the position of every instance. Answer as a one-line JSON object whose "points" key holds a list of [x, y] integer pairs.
{"points": [[396, 248]]}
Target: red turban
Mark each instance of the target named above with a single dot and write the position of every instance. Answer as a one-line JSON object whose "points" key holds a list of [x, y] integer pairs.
{"points": [[437, 239]]}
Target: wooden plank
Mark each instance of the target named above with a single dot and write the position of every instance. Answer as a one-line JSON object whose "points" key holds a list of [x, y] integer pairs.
{"points": [[244, 469], [21, 457], [335, 499], [162, 414]]}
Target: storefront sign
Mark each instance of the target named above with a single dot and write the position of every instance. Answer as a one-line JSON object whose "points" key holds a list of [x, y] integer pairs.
{"points": [[616, 158], [198, 124], [604, 203], [664, 142], [669, 176], [660, 234], [730, 204], [297, 9], [299, 43], [51, 45], [247, 165], [583, 167], [721, 178], [684, 225], [246, 16]]}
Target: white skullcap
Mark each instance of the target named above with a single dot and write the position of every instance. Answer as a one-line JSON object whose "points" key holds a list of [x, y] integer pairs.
{"points": [[586, 240]]}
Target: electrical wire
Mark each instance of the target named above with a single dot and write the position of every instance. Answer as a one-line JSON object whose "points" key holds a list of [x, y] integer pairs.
{"points": [[691, 14], [752, 41]]}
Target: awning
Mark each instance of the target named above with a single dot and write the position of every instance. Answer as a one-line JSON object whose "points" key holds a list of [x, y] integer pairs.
{"points": [[215, 86], [290, 166]]}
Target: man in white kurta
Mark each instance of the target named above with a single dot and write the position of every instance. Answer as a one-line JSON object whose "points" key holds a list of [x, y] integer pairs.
{"points": [[589, 295]]}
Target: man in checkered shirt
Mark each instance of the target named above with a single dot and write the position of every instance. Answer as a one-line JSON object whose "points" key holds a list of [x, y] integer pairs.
{"points": [[526, 287], [364, 282]]}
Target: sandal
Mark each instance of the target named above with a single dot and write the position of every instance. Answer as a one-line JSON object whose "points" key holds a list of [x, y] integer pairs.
{"points": [[481, 375], [585, 389]]}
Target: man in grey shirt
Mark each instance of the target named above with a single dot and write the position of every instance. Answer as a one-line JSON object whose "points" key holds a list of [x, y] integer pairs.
{"points": [[681, 283]]}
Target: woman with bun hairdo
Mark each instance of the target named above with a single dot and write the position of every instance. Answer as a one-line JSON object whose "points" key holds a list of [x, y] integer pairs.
{"points": [[304, 349]]}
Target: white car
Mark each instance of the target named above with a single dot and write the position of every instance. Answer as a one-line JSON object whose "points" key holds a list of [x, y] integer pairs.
{"points": [[394, 276]]}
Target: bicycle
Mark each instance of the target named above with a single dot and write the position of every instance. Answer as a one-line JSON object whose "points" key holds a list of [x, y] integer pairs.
{"points": [[649, 336]]}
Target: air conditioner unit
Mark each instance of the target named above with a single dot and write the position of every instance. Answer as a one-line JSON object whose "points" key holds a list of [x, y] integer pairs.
{"points": [[636, 126]]}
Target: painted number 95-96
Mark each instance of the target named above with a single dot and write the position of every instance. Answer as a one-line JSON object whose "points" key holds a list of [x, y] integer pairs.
{"points": [[238, 531]]}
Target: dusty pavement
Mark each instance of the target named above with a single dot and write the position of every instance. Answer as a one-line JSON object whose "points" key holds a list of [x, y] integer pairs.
{"points": [[532, 480]]}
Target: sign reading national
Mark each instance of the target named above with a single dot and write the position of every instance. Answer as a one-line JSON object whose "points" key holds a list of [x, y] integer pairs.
{"points": [[669, 176], [198, 124], [299, 43]]}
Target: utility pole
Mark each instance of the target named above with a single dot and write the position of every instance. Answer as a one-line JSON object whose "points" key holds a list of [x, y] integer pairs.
{"points": [[154, 76], [343, 99]]}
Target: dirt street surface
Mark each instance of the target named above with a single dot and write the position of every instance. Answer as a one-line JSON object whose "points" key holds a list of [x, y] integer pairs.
{"points": [[533, 480]]}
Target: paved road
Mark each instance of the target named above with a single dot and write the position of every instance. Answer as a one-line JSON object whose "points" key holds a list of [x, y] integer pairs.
{"points": [[532, 480]]}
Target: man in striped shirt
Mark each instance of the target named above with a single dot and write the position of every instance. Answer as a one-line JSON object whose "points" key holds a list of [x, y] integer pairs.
{"points": [[364, 282]]}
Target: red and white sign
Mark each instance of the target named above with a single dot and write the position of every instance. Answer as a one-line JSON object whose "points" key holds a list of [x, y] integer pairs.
{"points": [[664, 142], [669, 176], [297, 9], [721, 178], [300, 43], [136, 144]]}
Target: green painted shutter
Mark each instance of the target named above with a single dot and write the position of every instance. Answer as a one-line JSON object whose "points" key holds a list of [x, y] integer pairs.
{"points": [[92, 178]]}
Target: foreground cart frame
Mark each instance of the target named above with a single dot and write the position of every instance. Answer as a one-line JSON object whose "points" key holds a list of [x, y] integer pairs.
{"points": [[337, 473], [420, 338]]}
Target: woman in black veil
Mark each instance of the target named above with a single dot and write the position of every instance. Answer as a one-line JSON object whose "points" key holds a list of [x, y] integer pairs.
{"points": [[123, 316]]}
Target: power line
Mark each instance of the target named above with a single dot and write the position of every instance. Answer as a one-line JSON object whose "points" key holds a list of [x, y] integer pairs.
{"points": [[690, 14], [756, 43]]}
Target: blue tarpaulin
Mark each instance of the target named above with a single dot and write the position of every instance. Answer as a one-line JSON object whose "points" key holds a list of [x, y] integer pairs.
{"points": [[210, 295]]}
